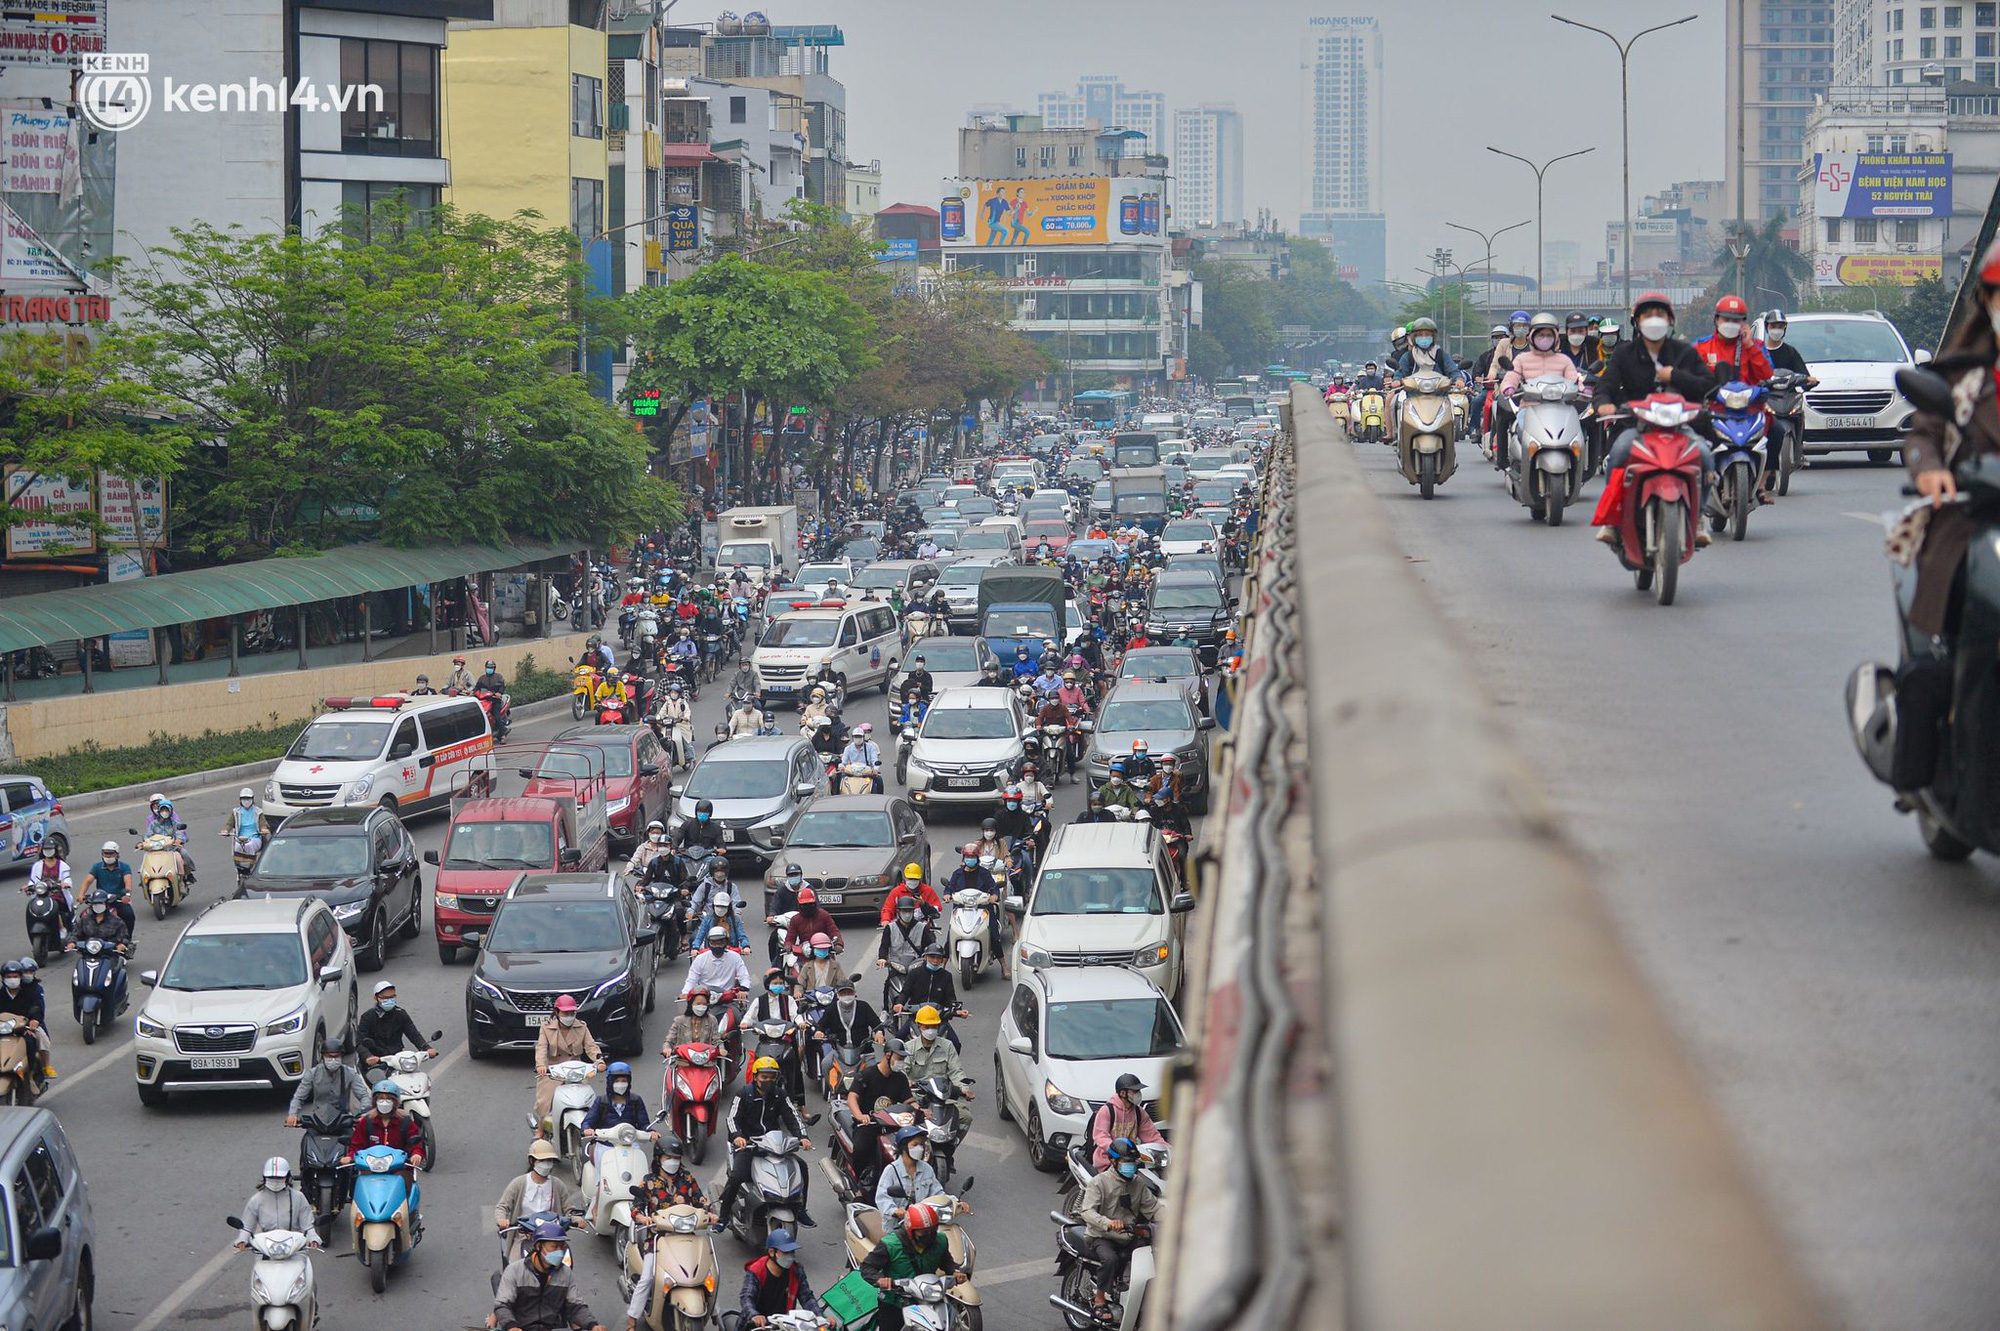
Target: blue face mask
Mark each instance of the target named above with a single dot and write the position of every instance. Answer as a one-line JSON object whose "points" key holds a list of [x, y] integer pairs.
{"points": [[1128, 1169], [777, 988], [972, 864], [933, 965], [701, 817], [387, 1004], [822, 952], [1424, 342]]}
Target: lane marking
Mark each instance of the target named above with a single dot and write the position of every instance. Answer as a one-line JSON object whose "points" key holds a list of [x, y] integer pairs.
{"points": [[65, 1080], [1872, 519], [187, 1289], [1042, 1267]]}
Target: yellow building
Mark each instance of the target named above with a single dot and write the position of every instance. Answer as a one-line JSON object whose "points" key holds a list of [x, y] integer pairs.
{"points": [[525, 113]]}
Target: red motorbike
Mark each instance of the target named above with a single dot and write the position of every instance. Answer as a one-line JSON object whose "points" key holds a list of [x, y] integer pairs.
{"points": [[695, 1078], [1655, 505], [498, 714]]}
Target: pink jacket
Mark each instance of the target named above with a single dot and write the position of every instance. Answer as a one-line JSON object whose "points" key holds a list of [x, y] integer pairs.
{"points": [[1532, 364]]}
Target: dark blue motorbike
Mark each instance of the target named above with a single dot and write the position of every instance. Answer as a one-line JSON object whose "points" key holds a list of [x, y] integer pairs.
{"points": [[1739, 426]]}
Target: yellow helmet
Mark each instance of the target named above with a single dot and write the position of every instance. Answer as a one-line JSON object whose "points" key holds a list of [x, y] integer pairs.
{"points": [[764, 1065], [927, 1015], [913, 870]]}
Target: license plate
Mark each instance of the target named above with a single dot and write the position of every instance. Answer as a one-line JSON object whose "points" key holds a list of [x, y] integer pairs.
{"points": [[729, 834], [1848, 422], [831, 898], [214, 1064], [777, 688], [963, 782]]}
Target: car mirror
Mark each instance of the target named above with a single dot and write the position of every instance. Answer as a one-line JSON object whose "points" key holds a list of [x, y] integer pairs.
{"points": [[430, 857], [649, 769], [1017, 903], [646, 937], [675, 791], [328, 974], [472, 938], [570, 857], [149, 978], [806, 789], [1181, 904], [403, 750], [1923, 356], [1022, 1045], [1204, 723], [44, 1244]]}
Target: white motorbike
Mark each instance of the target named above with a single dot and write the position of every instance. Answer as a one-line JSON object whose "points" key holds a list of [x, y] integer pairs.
{"points": [[968, 939], [281, 1283], [573, 1099], [406, 1067], [1546, 464], [610, 1180]]}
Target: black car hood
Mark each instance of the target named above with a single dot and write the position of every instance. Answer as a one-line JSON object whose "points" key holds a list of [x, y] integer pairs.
{"points": [[334, 891], [577, 971]]}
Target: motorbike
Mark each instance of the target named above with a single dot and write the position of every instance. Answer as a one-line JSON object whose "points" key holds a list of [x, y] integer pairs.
{"points": [[1657, 508], [1425, 450], [1056, 744], [695, 1078], [1369, 415], [572, 1102], [1077, 1271], [46, 934], [858, 779], [906, 740], [1785, 398], [97, 992], [1736, 417], [922, 624], [583, 688], [161, 871], [499, 713], [945, 1127], [406, 1065], [1545, 466], [613, 708], [281, 1283], [322, 1145], [1461, 409], [775, 1192], [931, 1302], [1336, 406], [20, 1072], [684, 1272], [1079, 1168], [243, 855], [666, 910], [382, 1212], [610, 1181], [967, 938]]}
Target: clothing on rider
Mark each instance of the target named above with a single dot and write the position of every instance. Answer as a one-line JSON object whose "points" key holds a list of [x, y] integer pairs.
{"points": [[928, 901], [913, 1248], [1123, 1115], [774, 1283], [540, 1189], [277, 1204], [1113, 1205], [763, 1107], [564, 1038], [810, 918], [1730, 353], [330, 1089], [909, 1177], [1653, 361], [538, 1289], [384, 1028]]}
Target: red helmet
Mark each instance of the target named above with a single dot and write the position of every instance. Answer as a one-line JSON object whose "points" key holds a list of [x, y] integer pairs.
{"points": [[1658, 298], [1732, 305], [819, 940], [921, 1218], [1989, 265], [807, 896]]}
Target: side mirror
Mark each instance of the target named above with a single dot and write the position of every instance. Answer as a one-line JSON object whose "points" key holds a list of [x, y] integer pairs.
{"points": [[328, 974], [1205, 723], [472, 938], [403, 750], [649, 769], [43, 1244], [675, 791], [806, 789], [570, 857], [1022, 1045], [1181, 904], [1923, 356], [1017, 903], [234, 1222], [647, 937], [430, 857], [149, 978]]}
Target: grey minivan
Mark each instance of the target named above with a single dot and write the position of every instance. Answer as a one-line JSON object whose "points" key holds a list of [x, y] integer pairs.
{"points": [[755, 783], [47, 1238]]}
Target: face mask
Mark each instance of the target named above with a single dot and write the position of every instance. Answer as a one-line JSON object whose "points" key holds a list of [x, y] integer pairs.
{"points": [[933, 965], [111, 859], [702, 817], [550, 1258], [1128, 1169], [621, 1086], [846, 1005], [656, 837], [919, 1151], [777, 988], [543, 1168], [822, 953], [97, 909], [1655, 327], [1424, 342], [386, 1004], [385, 1107], [1545, 341], [12, 985], [794, 883], [567, 1018], [782, 1260], [971, 861], [1575, 339], [699, 1009], [669, 1166], [1775, 336], [1608, 341], [274, 1184], [928, 1037], [1729, 328]]}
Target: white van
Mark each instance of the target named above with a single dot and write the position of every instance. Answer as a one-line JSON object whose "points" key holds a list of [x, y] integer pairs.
{"points": [[861, 638], [1107, 895], [398, 751]]}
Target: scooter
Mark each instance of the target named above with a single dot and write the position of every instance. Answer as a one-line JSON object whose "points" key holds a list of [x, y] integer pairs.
{"points": [[243, 855], [97, 986], [499, 712], [1461, 409], [1655, 509], [968, 939], [281, 1283], [1371, 415], [46, 934], [684, 1272], [1077, 1270], [573, 1099], [858, 779], [609, 1183], [1425, 433], [20, 1071], [161, 871], [1546, 465], [582, 688], [1736, 415], [776, 1191], [322, 1146], [944, 1126], [695, 1078], [613, 708], [407, 1067], [1785, 397], [865, 1226], [385, 1204]]}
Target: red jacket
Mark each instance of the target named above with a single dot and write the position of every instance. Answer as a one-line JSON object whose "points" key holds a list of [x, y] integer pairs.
{"points": [[399, 1130], [1743, 357], [926, 896]]}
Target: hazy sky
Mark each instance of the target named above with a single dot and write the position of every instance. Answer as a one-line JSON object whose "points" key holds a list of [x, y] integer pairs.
{"points": [[1460, 74]]}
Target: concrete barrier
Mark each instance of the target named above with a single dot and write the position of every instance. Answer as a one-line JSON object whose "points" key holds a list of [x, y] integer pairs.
{"points": [[118, 718]]}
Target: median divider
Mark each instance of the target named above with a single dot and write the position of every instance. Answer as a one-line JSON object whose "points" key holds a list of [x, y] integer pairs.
{"points": [[1524, 1143]]}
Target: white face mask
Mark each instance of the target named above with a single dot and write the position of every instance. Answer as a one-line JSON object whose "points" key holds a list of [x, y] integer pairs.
{"points": [[699, 1009], [656, 837], [385, 1106], [1730, 328], [621, 1086], [543, 1168], [1655, 327], [274, 1184], [1545, 341], [12, 984], [846, 1005], [1575, 339], [928, 1037], [1775, 336], [669, 1166], [567, 1018]]}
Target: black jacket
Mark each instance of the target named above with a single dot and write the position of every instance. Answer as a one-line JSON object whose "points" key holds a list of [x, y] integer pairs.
{"points": [[379, 1034], [858, 1029], [753, 1115], [1787, 357], [1629, 374], [694, 832], [925, 985]]}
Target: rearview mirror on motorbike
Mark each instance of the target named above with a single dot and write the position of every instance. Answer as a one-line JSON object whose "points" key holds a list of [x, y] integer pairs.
{"points": [[1927, 390]]}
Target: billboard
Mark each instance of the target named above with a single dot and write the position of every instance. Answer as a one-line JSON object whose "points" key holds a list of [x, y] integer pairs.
{"points": [[683, 228], [51, 34], [134, 512], [1001, 214], [48, 499], [1881, 184], [899, 249], [1861, 270]]}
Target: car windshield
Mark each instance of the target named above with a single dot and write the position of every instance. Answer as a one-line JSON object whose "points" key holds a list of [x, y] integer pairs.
{"points": [[595, 759], [314, 857], [978, 508], [961, 575], [1113, 1029], [557, 926], [517, 845], [1188, 531], [881, 577], [1158, 665], [1214, 492], [1208, 564], [800, 633], [1090, 469], [933, 516], [829, 829], [1208, 461], [1198, 596], [742, 779], [206, 962], [968, 723], [1823, 340], [948, 654], [818, 575], [324, 740], [1100, 494], [1020, 623], [862, 547], [1097, 892], [986, 538], [1149, 714]]}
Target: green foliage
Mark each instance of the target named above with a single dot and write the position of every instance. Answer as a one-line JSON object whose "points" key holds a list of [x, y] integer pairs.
{"points": [[1926, 306], [1236, 312], [414, 388], [1771, 267], [162, 756], [1459, 321], [530, 683]]}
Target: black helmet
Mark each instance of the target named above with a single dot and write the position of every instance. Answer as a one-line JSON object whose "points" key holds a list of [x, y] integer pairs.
{"points": [[989, 825], [1774, 317], [1128, 1081], [11, 968], [704, 806], [1577, 319], [1123, 1148]]}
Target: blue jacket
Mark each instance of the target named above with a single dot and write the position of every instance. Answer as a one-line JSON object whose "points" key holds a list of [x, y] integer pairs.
{"points": [[1407, 362], [604, 1113]]}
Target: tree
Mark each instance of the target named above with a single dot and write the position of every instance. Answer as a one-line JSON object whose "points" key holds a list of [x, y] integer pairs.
{"points": [[1771, 269], [1236, 312], [413, 387], [1459, 321], [1922, 316]]}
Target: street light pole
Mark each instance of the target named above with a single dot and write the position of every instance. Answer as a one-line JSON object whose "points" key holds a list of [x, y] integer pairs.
{"points": [[1539, 171], [1487, 240], [1625, 123]]}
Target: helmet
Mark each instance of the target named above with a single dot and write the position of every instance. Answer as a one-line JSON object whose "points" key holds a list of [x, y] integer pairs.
{"points": [[1497, 330], [718, 934], [549, 1231], [109, 847], [1774, 317], [934, 948], [928, 1015], [1398, 333], [819, 940], [541, 1149], [1608, 329], [656, 823], [387, 1087], [97, 897], [1425, 325], [1732, 305], [922, 1218], [913, 872], [330, 1045], [989, 825], [909, 1134], [156, 797], [1123, 1148], [807, 896], [764, 1065], [865, 728], [1518, 317], [246, 794], [1542, 320], [10, 968], [1652, 298], [617, 1068], [703, 806], [277, 1167], [1128, 1081], [1576, 319], [565, 1002]]}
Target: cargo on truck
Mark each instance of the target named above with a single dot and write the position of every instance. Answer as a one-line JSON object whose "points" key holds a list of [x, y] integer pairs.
{"points": [[1020, 606], [764, 540], [1139, 498]]}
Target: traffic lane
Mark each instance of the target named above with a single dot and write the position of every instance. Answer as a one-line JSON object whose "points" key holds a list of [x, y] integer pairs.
{"points": [[482, 1110], [1834, 983]]}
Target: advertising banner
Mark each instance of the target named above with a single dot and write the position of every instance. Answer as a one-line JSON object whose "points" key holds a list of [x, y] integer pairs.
{"points": [[1882, 185], [1861, 270], [39, 150], [135, 646], [135, 511], [51, 34], [902, 249], [25, 257], [683, 228], [48, 498], [1034, 212]]}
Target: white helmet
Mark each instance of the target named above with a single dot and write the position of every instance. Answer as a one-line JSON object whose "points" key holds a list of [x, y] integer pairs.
{"points": [[277, 1167], [246, 794], [109, 845]]}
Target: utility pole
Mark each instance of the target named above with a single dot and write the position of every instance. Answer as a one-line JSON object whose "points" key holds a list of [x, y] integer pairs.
{"points": [[1541, 171]]}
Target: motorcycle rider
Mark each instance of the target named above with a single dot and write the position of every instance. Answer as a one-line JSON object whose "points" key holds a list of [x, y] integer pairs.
{"points": [[909, 1174], [460, 679], [617, 1105], [698, 1023], [1118, 791], [541, 1189], [246, 823], [991, 677], [387, 1125], [971, 873], [564, 1038], [763, 1107], [1578, 343], [930, 983], [1119, 1211], [112, 877], [744, 718], [932, 1056], [875, 1084], [676, 721], [1544, 358], [774, 1283], [767, 726], [862, 750], [850, 1020], [652, 846], [1653, 361], [49, 868], [1782, 356], [718, 969], [330, 1089], [774, 1002], [20, 999], [276, 1204], [809, 921], [1369, 378], [100, 921], [383, 1028], [423, 688], [1121, 1118], [1094, 810], [718, 901], [919, 680], [160, 821], [912, 887], [537, 1291], [1732, 354], [913, 1248], [818, 967], [700, 830]]}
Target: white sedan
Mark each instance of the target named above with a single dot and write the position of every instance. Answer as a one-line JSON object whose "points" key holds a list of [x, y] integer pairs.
{"points": [[1187, 536]]}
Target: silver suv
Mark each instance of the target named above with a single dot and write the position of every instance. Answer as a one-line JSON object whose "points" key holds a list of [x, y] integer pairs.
{"points": [[1856, 406], [48, 1271]]}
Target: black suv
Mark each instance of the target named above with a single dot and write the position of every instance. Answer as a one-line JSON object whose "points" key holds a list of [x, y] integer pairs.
{"points": [[581, 934], [1189, 602], [360, 861]]}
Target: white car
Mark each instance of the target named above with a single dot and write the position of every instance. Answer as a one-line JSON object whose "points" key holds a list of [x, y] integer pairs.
{"points": [[814, 577], [1187, 536], [1856, 406], [247, 997], [969, 749], [1064, 1041], [1107, 894]]}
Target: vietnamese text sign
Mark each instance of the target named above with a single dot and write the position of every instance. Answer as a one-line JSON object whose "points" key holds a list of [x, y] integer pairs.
{"points": [[134, 512], [40, 151], [47, 499], [1036, 212], [134, 647], [683, 228], [51, 34], [900, 249], [1862, 270], [26, 257], [1882, 184]]}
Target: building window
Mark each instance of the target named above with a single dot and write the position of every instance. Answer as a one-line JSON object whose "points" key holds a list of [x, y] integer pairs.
{"points": [[404, 124], [1076, 150], [1896, 20], [1954, 16], [1864, 231], [360, 200], [1954, 47], [586, 208], [1896, 52], [1045, 156], [1833, 230], [586, 107], [1984, 73], [1906, 231], [739, 110], [1927, 17], [1983, 15], [1899, 143], [1896, 78], [1982, 44], [1926, 48], [1874, 143]]}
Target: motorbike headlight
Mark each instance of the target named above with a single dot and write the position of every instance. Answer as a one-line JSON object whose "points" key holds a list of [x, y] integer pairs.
{"points": [[615, 982], [146, 1026], [618, 806], [444, 900], [359, 790], [286, 1025], [1060, 1103]]}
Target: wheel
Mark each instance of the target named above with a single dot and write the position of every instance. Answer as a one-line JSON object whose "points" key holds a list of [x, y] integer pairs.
{"points": [[1000, 1094], [160, 907], [1788, 461], [378, 1273], [90, 1029], [477, 1052], [430, 1141], [1939, 842], [151, 1096], [415, 923], [903, 769], [1427, 475], [1040, 1154], [1881, 456], [81, 1318], [1744, 493], [41, 949], [576, 708], [1076, 1289], [447, 954], [387, 804], [968, 972], [372, 957], [1672, 519], [652, 993], [685, 1322], [697, 1142], [1556, 498]]}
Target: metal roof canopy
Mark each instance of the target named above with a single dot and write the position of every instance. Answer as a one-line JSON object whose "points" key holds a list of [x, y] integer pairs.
{"points": [[46, 618]]}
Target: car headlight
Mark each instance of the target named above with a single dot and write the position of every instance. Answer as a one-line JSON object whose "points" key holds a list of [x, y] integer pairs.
{"points": [[489, 989], [271, 789], [614, 982], [618, 806], [1060, 1103], [146, 1026], [444, 900], [359, 790], [917, 767], [352, 910], [287, 1025]]}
